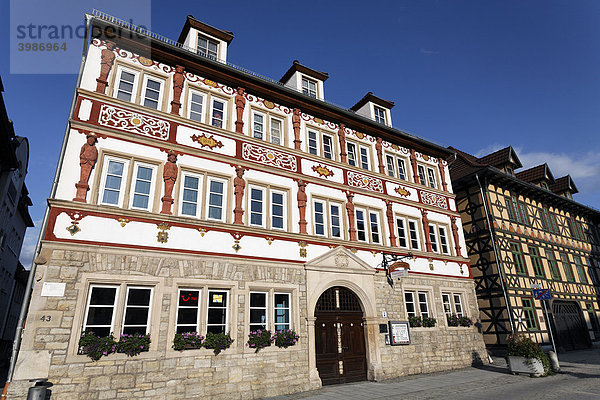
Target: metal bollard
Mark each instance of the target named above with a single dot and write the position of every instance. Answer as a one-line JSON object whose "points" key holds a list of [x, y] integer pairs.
{"points": [[38, 391], [554, 361]]}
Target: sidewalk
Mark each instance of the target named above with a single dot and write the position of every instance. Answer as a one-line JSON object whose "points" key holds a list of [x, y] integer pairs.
{"points": [[579, 378]]}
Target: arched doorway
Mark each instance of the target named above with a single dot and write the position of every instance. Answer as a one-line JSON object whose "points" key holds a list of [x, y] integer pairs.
{"points": [[340, 337]]}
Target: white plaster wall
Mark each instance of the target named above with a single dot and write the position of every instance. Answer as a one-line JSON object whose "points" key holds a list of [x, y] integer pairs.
{"points": [[91, 69]]}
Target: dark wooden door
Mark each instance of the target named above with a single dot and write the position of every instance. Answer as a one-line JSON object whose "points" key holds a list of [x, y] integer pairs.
{"points": [[571, 329], [340, 341]]}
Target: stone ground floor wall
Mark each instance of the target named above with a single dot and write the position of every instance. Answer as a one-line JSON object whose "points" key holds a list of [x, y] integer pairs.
{"points": [[50, 350]]}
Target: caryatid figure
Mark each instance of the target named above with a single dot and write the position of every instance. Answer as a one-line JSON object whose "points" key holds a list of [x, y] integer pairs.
{"points": [[178, 82], [301, 197], [240, 103], [342, 139], [379, 148], [238, 191], [296, 126], [87, 159], [351, 218], [106, 63], [169, 177], [390, 220]]}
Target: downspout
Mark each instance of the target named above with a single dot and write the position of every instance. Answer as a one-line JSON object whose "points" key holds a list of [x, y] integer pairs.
{"points": [[484, 199], [29, 286]]}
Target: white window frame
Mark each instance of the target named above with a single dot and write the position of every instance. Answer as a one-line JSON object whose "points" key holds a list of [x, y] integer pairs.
{"points": [[114, 306], [328, 216], [377, 225], [198, 307], [365, 230], [323, 204], [199, 195], [280, 140], [191, 93], [444, 238], [308, 90], [106, 161], [367, 155], [435, 238], [316, 140], [382, 119], [267, 205], [352, 154], [289, 311], [263, 213], [136, 79], [263, 124], [265, 308], [132, 193], [422, 174], [207, 51], [224, 203], [127, 288], [214, 99], [431, 178], [394, 171], [449, 300], [283, 207], [226, 308], [340, 219], [162, 82], [331, 146]]}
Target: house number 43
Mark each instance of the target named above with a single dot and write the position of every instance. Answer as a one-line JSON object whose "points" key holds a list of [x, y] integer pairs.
{"points": [[46, 318]]}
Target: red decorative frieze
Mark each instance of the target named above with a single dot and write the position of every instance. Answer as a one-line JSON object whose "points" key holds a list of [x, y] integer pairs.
{"points": [[263, 155], [206, 140], [402, 191], [133, 122], [322, 170], [364, 182], [433, 199]]}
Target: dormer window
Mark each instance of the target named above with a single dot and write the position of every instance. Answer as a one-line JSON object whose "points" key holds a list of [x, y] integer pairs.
{"points": [[207, 47], [379, 115], [510, 171], [309, 87], [544, 185]]}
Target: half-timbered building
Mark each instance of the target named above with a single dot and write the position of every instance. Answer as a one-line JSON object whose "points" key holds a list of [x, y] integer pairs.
{"points": [[194, 195], [524, 232]]}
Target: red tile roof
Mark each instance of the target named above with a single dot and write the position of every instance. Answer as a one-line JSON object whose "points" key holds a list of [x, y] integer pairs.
{"points": [[536, 174], [563, 184]]}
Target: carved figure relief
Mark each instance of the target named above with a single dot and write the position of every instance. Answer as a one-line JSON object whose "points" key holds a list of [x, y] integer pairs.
{"points": [[413, 165], [426, 230], [106, 63], [301, 197], [351, 217], [178, 82], [342, 139], [389, 213], [442, 173], [238, 191], [379, 148], [240, 103], [87, 159], [455, 235], [296, 126], [169, 177]]}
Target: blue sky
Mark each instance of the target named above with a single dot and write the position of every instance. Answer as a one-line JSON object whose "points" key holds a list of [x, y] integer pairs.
{"points": [[476, 75]]}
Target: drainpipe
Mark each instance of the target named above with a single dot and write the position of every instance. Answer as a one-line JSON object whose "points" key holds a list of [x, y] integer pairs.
{"points": [[484, 199], [29, 287]]}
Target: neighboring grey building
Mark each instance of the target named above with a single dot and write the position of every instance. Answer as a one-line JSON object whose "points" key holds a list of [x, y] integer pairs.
{"points": [[14, 220]]}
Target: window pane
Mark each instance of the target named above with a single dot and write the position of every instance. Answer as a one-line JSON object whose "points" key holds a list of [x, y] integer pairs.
{"points": [[217, 299], [258, 300], [319, 219], [390, 166], [138, 297], [401, 232], [335, 221], [360, 225], [374, 227], [103, 296], [327, 147], [189, 298], [99, 316], [136, 316]]}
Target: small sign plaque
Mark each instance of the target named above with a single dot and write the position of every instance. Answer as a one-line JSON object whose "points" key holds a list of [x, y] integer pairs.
{"points": [[542, 294], [399, 333], [53, 289]]}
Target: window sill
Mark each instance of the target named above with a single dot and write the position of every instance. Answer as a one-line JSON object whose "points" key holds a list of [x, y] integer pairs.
{"points": [[83, 358]]}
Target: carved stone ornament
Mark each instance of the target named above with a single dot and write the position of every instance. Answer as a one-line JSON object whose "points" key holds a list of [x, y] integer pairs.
{"points": [[239, 184], [302, 198], [322, 170], [341, 260], [205, 140], [169, 177], [402, 191], [106, 63], [296, 126], [342, 140], [413, 164], [390, 220], [178, 83], [240, 103], [379, 148], [87, 159], [163, 235], [351, 217]]}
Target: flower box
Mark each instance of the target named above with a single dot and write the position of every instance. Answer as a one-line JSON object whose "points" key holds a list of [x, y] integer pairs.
{"points": [[524, 365]]}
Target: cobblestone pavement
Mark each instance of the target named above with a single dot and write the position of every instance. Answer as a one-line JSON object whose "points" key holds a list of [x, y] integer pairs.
{"points": [[579, 379]]}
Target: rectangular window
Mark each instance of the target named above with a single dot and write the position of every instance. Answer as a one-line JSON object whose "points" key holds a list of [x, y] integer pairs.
{"points": [[100, 311], [401, 232], [126, 85], [361, 229], [217, 311], [216, 201], [458, 304], [309, 87], [524, 216], [277, 211], [142, 189], [422, 177], [196, 106], [409, 301], [414, 234], [334, 214], [515, 249], [593, 271], [447, 304], [276, 133], [137, 310], [379, 115], [515, 206], [257, 206], [401, 169], [579, 268], [389, 160], [374, 225], [546, 218], [433, 239], [529, 314], [423, 306], [431, 178], [509, 208], [258, 311], [217, 113], [535, 261], [258, 126], [188, 310], [112, 192], [319, 218], [152, 92], [327, 147], [351, 149], [443, 240], [207, 47], [567, 267], [282, 311], [312, 143], [364, 157], [190, 194]]}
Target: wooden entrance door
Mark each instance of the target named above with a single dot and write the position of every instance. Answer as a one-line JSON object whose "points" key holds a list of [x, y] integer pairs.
{"points": [[339, 337], [570, 327]]}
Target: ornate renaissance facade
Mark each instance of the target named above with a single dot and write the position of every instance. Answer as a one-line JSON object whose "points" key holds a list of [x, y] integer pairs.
{"points": [[185, 177], [524, 232]]}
